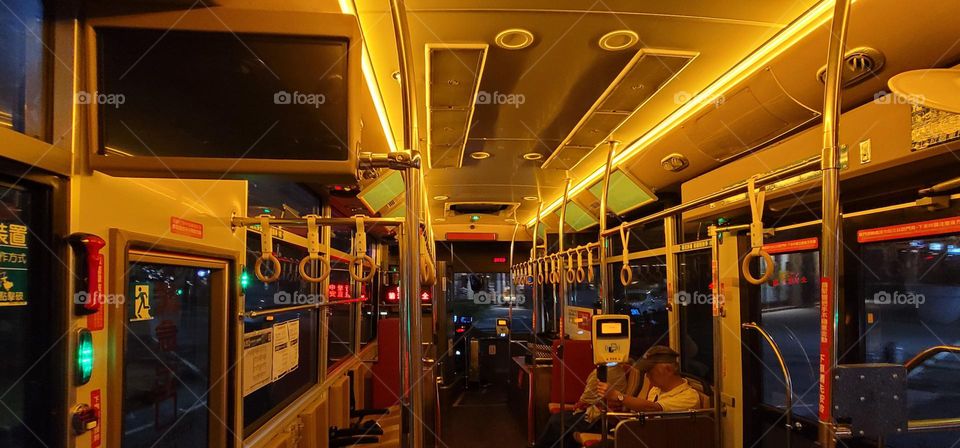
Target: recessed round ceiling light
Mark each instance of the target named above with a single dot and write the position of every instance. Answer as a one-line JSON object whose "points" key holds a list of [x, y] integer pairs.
{"points": [[510, 220], [619, 40], [514, 39], [479, 155], [439, 219], [530, 198], [533, 156], [441, 197]]}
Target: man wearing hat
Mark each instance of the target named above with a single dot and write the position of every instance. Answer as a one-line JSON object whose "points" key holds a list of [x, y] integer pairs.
{"points": [[668, 390]]}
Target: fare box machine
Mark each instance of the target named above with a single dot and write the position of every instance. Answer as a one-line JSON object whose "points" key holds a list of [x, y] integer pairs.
{"points": [[503, 327], [611, 341]]}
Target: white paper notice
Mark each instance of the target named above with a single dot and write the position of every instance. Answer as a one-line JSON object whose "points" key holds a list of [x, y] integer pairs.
{"points": [[281, 350], [257, 360], [293, 332]]}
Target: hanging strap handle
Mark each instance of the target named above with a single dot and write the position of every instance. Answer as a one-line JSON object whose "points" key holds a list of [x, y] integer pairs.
{"points": [[626, 272], [590, 264], [581, 273], [757, 198], [541, 276], [571, 273], [266, 252], [314, 249], [428, 272], [360, 257], [555, 269]]}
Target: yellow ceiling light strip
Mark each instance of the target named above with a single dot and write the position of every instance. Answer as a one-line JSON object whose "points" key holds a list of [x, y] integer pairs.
{"points": [[346, 7], [799, 29]]}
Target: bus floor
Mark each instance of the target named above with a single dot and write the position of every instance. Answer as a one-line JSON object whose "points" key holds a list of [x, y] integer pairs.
{"points": [[480, 418]]}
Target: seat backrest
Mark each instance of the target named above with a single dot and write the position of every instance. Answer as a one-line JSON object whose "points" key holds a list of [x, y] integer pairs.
{"points": [[668, 430], [338, 402], [703, 390], [386, 371], [576, 365]]}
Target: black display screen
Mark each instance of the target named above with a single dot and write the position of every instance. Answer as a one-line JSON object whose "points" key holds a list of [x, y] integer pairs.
{"points": [[172, 93]]}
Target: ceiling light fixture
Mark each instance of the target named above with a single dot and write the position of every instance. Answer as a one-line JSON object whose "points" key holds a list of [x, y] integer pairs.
{"points": [[479, 155], [441, 197], [514, 39], [530, 198], [619, 40], [785, 39], [532, 156]]}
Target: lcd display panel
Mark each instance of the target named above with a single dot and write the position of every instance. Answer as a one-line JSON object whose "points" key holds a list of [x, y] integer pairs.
{"points": [[611, 328], [170, 93]]}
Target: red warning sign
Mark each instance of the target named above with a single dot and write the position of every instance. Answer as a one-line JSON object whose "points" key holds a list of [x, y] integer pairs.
{"points": [[910, 230], [95, 435], [826, 344], [183, 227]]}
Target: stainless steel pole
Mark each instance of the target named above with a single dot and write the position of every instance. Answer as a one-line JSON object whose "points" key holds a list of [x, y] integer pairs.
{"points": [[562, 308], [411, 319], [831, 238], [605, 299]]}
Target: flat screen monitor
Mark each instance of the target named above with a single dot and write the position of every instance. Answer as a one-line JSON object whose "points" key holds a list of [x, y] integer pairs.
{"points": [[244, 96]]}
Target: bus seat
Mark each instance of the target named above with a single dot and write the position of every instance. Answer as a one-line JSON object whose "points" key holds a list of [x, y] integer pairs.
{"points": [[576, 365], [386, 371]]}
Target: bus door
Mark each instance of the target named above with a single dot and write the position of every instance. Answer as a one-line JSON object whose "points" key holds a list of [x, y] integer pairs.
{"points": [[174, 350], [32, 324], [694, 303], [787, 308], [903, 265]]}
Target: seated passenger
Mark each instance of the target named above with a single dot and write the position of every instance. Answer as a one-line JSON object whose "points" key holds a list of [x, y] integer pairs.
{"points": [[586, 413], [668, 391]]}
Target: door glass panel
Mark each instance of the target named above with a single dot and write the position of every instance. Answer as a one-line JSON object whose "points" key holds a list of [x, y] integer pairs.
{"points": [[694, 298], [911, 291], [166, 372], [645, 301], [790, 312]]}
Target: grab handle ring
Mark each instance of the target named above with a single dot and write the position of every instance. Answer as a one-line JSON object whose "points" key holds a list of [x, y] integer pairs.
{"points": [[581, 273], [360, 257], [266, 252], [571, 273], [313, 253], [590, 265], [541, 277], [626, 273], [555, 269], [757, 198], [528, 273]]}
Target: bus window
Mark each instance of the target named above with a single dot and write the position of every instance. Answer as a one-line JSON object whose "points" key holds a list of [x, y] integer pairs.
{"points": [[694, 298], [911, 291], [340, 322], [21, 67], [262, 401], [789, 311], [484, 297], [645, 301]]}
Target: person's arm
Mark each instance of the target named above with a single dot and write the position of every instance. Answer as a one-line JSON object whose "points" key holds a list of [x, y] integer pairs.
{"points": [[632, 403]]}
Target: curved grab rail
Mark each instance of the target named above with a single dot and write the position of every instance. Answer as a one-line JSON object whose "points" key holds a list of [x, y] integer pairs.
{"points": [[933, 424], [788, 383]]}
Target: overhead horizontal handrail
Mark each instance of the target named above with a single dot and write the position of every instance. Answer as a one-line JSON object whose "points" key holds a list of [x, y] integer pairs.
{"points": [[241, 221], [807, 165], [306, 306]]}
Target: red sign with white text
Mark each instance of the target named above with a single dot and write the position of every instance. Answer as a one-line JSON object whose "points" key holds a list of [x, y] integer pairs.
{"points": [[826, 345], [183, 227], [910, 230], [811, 243], [95, 435]]}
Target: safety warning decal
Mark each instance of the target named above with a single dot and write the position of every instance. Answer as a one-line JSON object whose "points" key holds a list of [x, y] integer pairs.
{"points": [[910, 230], [141, 303], [14, 264], [183, 227], [826, 343], [802, 244], [95, 436]]}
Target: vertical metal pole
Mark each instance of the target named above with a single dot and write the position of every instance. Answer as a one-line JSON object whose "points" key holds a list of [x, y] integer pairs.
{"points": [[606, 302], [513, 288], [831, 242], [671, 238], [324, 318], [717, 291], [562, 308], [605, 299], [537, 300], [411, 316]]}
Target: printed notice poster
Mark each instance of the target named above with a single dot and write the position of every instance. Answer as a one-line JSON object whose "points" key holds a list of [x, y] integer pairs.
{"points": [[293, 330], [13, 264], [257, 360], [281, 350]]}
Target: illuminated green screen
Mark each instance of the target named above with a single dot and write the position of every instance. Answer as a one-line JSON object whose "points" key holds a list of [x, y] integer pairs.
{"points": [[382, 192], [577, 218], [625, 194]]}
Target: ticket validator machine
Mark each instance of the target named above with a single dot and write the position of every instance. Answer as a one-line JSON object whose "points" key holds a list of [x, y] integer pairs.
{"points": [[611, 341], [503, 327]]}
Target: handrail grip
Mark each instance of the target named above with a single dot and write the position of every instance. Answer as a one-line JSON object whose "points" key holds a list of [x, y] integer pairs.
{"points": [[788, 382], [933, 424], [919, 359]]}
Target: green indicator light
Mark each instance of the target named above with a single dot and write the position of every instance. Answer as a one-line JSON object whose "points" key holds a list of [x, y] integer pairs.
{"points": [[179, 292], [474, 218], [84, 357], [266, 210], [244, 279]]}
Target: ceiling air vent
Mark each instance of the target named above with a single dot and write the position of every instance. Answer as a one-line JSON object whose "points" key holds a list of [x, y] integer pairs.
{"points": [[675, 162], [858, 64], [480, 208], [453, 82], [646, 73]]}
